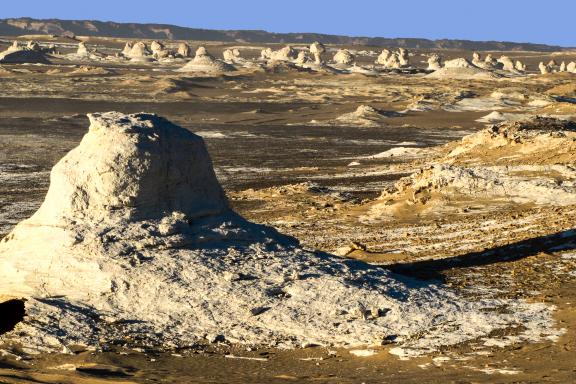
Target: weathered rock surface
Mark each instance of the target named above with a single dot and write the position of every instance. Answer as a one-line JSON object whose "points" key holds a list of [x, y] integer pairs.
{"points": [[135, 244]]}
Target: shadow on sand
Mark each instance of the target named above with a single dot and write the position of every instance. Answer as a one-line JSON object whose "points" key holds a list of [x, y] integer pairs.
{"points": [[433, 269]]}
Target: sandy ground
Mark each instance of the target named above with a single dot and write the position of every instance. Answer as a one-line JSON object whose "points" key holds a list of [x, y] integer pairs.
{"points": [[286, 160]]}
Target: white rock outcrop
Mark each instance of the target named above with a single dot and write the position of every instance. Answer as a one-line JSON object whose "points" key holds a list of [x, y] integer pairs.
{"points": [[135, 244], [434, 62], [317, 50], [82, 49], [544, 69], [184, 50], [140, 52], [344, 57], [403, 57], [205, 62], [507, 63], [127, 48]]}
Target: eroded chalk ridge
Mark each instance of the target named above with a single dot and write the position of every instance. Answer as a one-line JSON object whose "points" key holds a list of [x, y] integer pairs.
{"points": [[135, 245]]}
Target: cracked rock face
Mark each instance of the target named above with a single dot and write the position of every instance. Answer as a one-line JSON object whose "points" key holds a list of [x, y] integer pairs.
{"points": [[135, 244]]}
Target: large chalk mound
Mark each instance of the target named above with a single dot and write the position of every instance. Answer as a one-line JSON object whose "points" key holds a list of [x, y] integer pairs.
{"points": [[135, 245]]}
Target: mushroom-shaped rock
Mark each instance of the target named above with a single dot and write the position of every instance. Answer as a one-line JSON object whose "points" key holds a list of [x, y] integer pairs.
{"points": [[317, 49], [343, 56], [434, 62], [205, 62], [184, 50]]}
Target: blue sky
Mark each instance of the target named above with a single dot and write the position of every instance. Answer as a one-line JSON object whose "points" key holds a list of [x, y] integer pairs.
{"points": [[507, 20]]}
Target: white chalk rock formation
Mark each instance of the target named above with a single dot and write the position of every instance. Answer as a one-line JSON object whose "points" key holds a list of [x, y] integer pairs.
{"points": [[477, 59], [462, 69], [184, 50], [302, 58], [127, 48], [507, 63], [343, 56], [286, 53], [571, 67], [403, 57], [562, 67], [15, 46], [383, 57], [135, 244], [33, 46], [15, 54], [434, 62], [544, 69], [156, 46], [232, 55], [205, 62], [159, 51], [520, 66], [266, 54], [82, 49], [140, 52], [458, 63], [317, 49], [553, 65]]}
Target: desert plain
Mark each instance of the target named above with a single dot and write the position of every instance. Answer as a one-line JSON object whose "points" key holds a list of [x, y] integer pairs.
{"points": [[460, 176]]}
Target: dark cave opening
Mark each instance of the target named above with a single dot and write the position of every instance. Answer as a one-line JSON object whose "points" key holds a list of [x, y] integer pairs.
{"points": [[11, 313]]}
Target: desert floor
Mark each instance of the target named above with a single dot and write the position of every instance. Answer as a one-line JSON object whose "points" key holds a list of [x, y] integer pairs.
{"points": [[286, 160]]}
